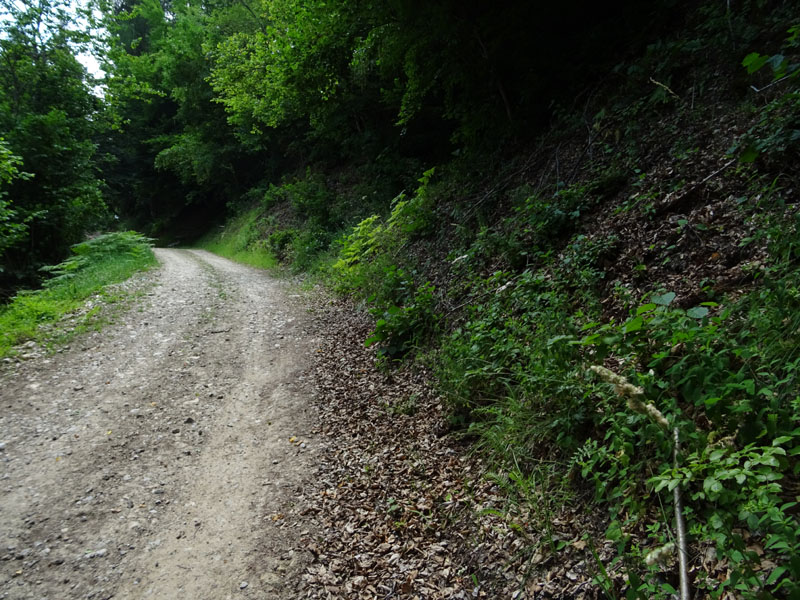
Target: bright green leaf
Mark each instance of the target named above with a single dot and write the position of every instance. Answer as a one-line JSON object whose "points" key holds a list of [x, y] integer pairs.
{"points": [[749, 154], [634, 324], [716, 455], [754, 61], [645, 308], [776, 574], [698, 312], [664, 299]]}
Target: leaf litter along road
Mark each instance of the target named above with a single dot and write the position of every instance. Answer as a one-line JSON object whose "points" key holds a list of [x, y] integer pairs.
{"points": [[159, 457]]}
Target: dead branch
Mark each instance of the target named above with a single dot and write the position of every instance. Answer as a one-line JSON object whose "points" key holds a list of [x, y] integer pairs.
{"points": [[664, 87]]}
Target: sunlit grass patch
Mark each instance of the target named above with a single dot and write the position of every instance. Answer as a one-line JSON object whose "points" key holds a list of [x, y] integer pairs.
{"points": [[241, 240], [97, 263], [255, 257]]}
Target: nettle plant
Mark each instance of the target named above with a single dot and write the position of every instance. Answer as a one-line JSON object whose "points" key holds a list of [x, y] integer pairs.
{"points": [[727, 379]]}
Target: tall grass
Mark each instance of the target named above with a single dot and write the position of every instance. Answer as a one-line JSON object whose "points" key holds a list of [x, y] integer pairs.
{"points": [[95, 264]]}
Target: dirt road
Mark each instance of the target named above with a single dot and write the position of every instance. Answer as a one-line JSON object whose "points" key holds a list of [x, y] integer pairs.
{"points": [[160, 457]]}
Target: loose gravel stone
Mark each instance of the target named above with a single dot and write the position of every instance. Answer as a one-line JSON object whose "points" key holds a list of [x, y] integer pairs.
{"points": [[106, 479]]}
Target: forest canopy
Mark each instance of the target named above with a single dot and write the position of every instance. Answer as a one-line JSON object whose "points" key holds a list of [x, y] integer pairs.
{"points": [[205, 104], [50, 189]]}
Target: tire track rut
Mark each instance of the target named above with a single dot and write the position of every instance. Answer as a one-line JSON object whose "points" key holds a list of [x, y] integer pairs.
{"points": [[152, 459]]}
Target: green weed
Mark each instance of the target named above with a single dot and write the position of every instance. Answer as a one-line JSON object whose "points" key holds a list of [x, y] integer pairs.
{"points": [[724, 373], [370, 265]]}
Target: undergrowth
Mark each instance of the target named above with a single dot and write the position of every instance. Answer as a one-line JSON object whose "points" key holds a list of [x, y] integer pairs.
{"points": [[95, 264], [372, 265], [242, 240], [724, 374]]}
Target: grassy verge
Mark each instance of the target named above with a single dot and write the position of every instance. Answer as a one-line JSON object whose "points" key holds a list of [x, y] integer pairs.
{"points": [[242, 241], [96, 264]]}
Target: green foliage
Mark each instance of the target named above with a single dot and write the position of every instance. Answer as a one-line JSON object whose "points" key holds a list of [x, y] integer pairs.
{"points": [[97, 263], [307, 249], [724, 373], [255, 257], [298, 219], [541, 225], [243, 239], [374, 246], [12, 228], [347, 72], [510, 340], [171, 160], [549, 219], [368, 266], [120, 247], [285, 68], [280, 242], [399, 328], [414, 218], [310, 199], [726, 377], [737, 488], [46, 116], [776, 137]]}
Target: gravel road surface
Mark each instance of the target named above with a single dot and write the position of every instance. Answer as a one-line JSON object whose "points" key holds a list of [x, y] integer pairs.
{"points": [[158, 457]]}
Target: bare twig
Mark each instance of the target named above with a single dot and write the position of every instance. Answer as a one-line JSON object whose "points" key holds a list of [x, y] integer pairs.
{"points": [[683, 554], [672, 200], [769, 85], [664, 87], [558, 169], [503, 183], [717, 172], [478, 298]]}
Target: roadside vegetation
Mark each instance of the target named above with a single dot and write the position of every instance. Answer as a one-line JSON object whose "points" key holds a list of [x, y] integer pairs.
{"points": [[94, 266]]}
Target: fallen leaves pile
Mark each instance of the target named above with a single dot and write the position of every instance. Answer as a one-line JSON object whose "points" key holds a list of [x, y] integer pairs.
{"points": [[398, 506]]}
